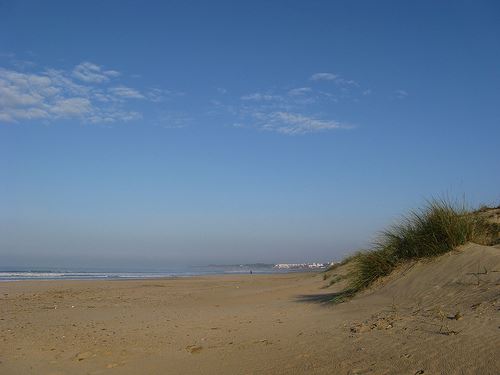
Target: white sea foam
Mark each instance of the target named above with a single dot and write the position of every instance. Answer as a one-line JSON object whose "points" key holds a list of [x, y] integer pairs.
{"points": [[9, 275]]}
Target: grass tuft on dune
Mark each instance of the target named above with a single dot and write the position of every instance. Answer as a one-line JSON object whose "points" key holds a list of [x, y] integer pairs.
{"points": [[437, 228]]}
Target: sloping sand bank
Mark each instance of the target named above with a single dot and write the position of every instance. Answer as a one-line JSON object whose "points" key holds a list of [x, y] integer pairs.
{"points": [[434, 317]]}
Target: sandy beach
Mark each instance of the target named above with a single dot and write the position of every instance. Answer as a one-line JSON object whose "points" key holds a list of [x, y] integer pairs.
{"points": [[432, 317], [249, 187]]}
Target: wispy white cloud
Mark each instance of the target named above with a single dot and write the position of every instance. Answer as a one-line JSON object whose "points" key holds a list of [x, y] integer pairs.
{"points": [[401, 94], [89, 72], [261, 97], [324, 77], [23, 64], [157, 95], [337, 79], [71, 107], [174, 119], [90, 93], [299, 91], [296, 123], [126, 92], [63, 81], [291, 111], [81, 93], [8, 55], [346, 82]]}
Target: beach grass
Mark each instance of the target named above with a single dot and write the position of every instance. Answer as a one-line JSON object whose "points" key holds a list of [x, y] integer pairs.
{"points": [[440, 226]]}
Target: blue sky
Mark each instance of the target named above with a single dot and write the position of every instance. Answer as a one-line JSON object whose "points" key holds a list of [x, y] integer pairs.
{"points": [[181, 132]]}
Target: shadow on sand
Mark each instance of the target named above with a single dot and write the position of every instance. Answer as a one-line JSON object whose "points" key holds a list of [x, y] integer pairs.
{"points": [[324, 298]]}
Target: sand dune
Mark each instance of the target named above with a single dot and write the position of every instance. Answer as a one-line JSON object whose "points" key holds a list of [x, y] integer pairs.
{"points": [[439, 316]]}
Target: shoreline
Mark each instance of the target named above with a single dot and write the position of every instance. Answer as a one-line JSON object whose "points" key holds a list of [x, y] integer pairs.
{"points": [[180, 276]]}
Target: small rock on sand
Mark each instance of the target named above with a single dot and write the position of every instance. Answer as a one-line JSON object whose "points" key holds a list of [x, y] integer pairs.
{"points": [[193, 349], [264, 341], [457, 316], [82, 356]]}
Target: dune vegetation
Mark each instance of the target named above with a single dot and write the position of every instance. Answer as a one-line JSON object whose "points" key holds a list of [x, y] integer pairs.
{"points": [[439, 227]]}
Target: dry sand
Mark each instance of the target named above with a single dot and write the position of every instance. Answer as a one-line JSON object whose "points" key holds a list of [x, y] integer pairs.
{"points": [[432, 317]]}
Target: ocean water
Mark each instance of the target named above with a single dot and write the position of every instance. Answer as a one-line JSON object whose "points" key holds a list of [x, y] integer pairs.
{"points": [[13, 274]]}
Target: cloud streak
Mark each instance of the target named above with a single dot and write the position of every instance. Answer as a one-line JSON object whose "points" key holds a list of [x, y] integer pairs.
{"points": [[294, 110], [90, 93], [295, 124], [401, 94], [300, 91], [92, 73], [126, 92], [324, 77], [87, 92], [261, 97], [335, 78]]}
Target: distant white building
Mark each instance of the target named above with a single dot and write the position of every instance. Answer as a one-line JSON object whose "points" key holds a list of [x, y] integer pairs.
{"points": [[290, 266]]}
